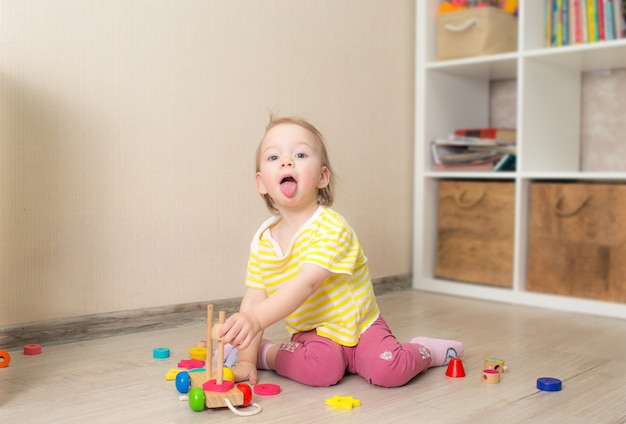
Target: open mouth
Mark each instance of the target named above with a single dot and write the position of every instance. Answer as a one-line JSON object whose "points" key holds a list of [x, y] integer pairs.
{"points": [[288, 186]]}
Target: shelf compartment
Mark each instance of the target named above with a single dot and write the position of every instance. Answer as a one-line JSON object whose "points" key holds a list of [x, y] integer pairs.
{"points": [[550, 113], [577, 240], [475, 232]]}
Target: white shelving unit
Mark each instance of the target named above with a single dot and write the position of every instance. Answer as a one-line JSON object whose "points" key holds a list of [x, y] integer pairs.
{"points": [[455, 93]]}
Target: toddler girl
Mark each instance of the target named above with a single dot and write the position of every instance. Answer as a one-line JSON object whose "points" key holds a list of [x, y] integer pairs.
{"points": [[306, 267]]}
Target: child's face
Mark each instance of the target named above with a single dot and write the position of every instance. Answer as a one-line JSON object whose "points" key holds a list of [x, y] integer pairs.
{"points": [[291, 169]]}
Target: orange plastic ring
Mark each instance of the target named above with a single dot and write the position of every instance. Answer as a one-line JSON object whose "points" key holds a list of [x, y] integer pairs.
{"points": [[5, 359]]}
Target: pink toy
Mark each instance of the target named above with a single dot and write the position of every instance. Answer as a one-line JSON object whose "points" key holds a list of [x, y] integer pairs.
{"points": [[189, 364]]}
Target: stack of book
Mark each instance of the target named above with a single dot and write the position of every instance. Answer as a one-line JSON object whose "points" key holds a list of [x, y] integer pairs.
{"points": [[583, 21], [476, 149]]}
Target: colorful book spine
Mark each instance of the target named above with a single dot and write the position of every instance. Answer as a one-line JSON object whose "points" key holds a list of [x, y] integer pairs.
{"points": [[548, 18], [565, 23], [609, 20], [600, 12], [591, 21], [556, 31], [583, 21], [617, 18], [506, 163], [576, 20], [559, 22], [491, 133]]}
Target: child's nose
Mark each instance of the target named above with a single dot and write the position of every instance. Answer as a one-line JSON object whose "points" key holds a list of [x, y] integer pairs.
{"points": [[286, 161]]}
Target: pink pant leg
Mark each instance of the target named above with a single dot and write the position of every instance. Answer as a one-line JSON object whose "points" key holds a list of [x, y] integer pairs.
{"points": [[311, 359], [383, 361]]}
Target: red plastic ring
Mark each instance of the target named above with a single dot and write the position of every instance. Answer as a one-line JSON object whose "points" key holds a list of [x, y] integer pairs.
{"points": [[32, 349], [267, 389]]}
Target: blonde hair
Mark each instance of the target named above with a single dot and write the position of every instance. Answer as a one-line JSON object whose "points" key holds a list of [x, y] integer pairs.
{"points": [[326, 195]]}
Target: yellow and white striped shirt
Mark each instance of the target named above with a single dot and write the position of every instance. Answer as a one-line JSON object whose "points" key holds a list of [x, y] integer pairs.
{"points": [[344, 306]]}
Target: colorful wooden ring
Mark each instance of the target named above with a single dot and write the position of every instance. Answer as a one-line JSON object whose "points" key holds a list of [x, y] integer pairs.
{"points": [[267, 389], [5, 359], [196, 399], [183, 382], [549, 384], [247, 394], [32, 349], [198, 353], [228, 374], [161, 353]]}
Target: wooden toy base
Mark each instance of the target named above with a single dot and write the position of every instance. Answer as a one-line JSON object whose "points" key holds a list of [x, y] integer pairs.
{"points": [[216, 399]]}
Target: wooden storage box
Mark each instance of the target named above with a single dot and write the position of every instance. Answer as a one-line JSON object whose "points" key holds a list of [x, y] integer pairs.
{"points": [[475, 32], [577, 240], [475, 232]]}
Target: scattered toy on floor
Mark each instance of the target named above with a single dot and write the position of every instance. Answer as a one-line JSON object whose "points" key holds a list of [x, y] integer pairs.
{"points": [[267, 389], [343, 402], [491, 376], [455, 368], [161, 353], [32, 349], [495, 364], [549, 384], [5, 358]]}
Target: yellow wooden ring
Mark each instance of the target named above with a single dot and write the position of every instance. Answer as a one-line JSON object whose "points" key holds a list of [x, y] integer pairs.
{"points": [[198, 353], [228, 374]]}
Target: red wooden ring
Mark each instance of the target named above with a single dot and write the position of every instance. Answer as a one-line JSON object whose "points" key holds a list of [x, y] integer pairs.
{"points": [[267, 389], [247, 394], [32, 349]]}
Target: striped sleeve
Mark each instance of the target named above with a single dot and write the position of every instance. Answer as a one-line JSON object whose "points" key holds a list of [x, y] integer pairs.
{"points": [[336, 245], [253, 273]]}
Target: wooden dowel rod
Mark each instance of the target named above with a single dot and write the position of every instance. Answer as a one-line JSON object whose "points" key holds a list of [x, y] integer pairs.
{"points": [[208, 365], [220, 352]]}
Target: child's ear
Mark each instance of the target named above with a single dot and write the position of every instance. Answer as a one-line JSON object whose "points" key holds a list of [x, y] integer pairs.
{"points": [[259, 184], [324, 178]]}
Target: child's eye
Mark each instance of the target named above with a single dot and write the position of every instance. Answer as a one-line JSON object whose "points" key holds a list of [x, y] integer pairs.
{"points": [[300, 155], [272, 157]]}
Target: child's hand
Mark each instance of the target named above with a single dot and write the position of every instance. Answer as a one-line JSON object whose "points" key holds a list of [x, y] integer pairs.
{"points": [[245, 370], [240, 329]]}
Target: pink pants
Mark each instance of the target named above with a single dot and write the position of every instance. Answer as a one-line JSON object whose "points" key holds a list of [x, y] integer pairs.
{"points": [[378, 357]]}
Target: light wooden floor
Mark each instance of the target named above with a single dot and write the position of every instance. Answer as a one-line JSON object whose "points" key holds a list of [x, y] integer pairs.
{"points": [[116, 380]]}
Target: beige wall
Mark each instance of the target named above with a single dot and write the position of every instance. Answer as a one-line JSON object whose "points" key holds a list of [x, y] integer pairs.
{"points": [[128, 128]]}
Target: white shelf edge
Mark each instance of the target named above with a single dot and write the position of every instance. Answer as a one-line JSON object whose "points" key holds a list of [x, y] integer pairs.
{"points": [[583, 175], [574, 49], [574, 176], [586, 57], [470, 175], [521, 297], [450, 63], [493, 67]]}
